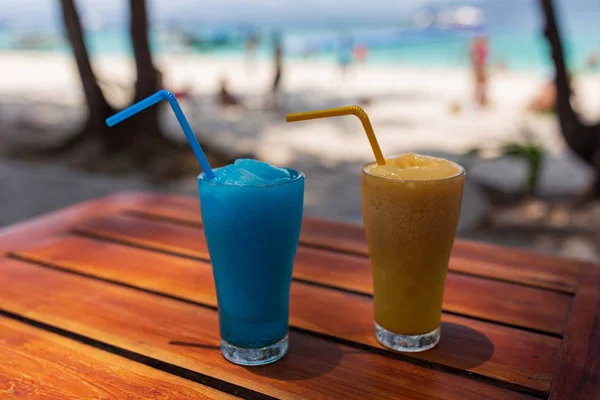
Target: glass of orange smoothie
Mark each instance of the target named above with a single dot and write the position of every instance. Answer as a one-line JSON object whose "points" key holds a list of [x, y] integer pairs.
{"points": [[411, 207]]}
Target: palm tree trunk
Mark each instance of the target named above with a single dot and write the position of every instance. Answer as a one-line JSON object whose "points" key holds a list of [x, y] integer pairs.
{"points": [[98, 107], [583, 139], [94, 97], [139, 137], [148, 77]]}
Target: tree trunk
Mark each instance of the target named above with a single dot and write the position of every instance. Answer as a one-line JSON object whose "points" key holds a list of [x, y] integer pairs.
{"points": [[583, 139], [148, 77], [98, 107], [140, 137]]}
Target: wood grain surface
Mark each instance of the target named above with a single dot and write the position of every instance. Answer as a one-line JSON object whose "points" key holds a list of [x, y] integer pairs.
{"points": [[37, 364], [509, 355], [516, 305], [471, 258], [578, 374], [186, 335], [115, 297], [14, 237]]}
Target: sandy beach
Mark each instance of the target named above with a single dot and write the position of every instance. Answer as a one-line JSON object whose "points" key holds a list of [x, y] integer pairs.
{"points": [[410, 109]]}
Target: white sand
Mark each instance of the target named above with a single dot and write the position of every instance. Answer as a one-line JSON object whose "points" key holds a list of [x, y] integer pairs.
{"points": [[410, 107]]}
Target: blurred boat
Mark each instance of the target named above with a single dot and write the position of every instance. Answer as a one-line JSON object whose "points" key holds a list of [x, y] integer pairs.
{"points": [[428, 24], [450, 17], [34, 41], [211, 38]]}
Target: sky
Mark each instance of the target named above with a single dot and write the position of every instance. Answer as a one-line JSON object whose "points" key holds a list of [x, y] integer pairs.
{"points": [[218, 10], [521, 14]]}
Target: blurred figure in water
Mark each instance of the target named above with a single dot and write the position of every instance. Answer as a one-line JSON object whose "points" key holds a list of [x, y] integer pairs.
{"points": [[592, 60], [251, 47], [273, 100], [345, 55], [479, 56], [361, 52]]}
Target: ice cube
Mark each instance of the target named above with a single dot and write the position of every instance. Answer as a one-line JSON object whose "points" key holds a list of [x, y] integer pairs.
{"points": [[264, 170], [250, 172], [243, 177], [222, 173]]}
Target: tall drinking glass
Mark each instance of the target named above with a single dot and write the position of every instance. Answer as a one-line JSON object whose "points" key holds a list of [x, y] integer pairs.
{"points": [[410, 227], [252, 232]]}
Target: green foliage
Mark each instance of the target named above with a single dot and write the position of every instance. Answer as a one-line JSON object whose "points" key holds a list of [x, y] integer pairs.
{"points": [[532, 155], [527, 150]]}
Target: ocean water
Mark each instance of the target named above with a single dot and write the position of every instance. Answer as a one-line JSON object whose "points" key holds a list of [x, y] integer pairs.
{"points": [[515, 51]]}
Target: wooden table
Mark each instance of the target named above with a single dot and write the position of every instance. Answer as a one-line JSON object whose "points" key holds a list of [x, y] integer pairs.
{"points": [[114, 298]]}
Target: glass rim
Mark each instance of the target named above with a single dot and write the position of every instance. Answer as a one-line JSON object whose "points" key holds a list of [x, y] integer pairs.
{"points": [[299, 176], [461, 172]]}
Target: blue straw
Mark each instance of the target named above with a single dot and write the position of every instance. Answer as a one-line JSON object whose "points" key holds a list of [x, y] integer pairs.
{"points": [[185, 126]]}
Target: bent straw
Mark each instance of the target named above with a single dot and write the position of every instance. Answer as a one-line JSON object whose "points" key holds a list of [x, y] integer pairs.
{"points": [[185, 126], [340, 111]]}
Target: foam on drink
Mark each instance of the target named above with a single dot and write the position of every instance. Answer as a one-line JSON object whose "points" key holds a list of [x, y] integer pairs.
{"points": [[415, 167]]}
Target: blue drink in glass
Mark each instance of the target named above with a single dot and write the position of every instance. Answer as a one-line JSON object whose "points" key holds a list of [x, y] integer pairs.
{"points": [[252, 214]]}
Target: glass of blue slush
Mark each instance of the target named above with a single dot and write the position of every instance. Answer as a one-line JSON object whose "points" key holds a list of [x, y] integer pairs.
{"points": [[252, 213]]}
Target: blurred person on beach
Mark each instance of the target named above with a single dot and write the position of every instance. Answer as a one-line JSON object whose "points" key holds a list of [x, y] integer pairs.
{"points": [[479, 53], [345, 54], [361, 53], [182, 93], [544, 100], [250, 50], [273, 99], [225, 98]]}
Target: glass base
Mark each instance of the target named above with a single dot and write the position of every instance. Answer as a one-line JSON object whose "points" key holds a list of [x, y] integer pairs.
{"points": [[407, 343], [254, 356]]}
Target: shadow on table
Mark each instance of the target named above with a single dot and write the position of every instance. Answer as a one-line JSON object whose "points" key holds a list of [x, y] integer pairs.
{"points": [[467, 347], [460, 347], [310, 357], [307, 358], [303, 360]]}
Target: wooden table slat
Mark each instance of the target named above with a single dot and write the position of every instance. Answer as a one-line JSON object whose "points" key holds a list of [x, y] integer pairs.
{"points": [[497, 352], [578, 374], [37, 364], [516, 305], [129, 275], [15, 237], [157, 327], [472, 258]]}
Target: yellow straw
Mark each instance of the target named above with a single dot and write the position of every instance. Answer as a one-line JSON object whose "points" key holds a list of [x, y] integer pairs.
{"points": [[337, 112]]}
